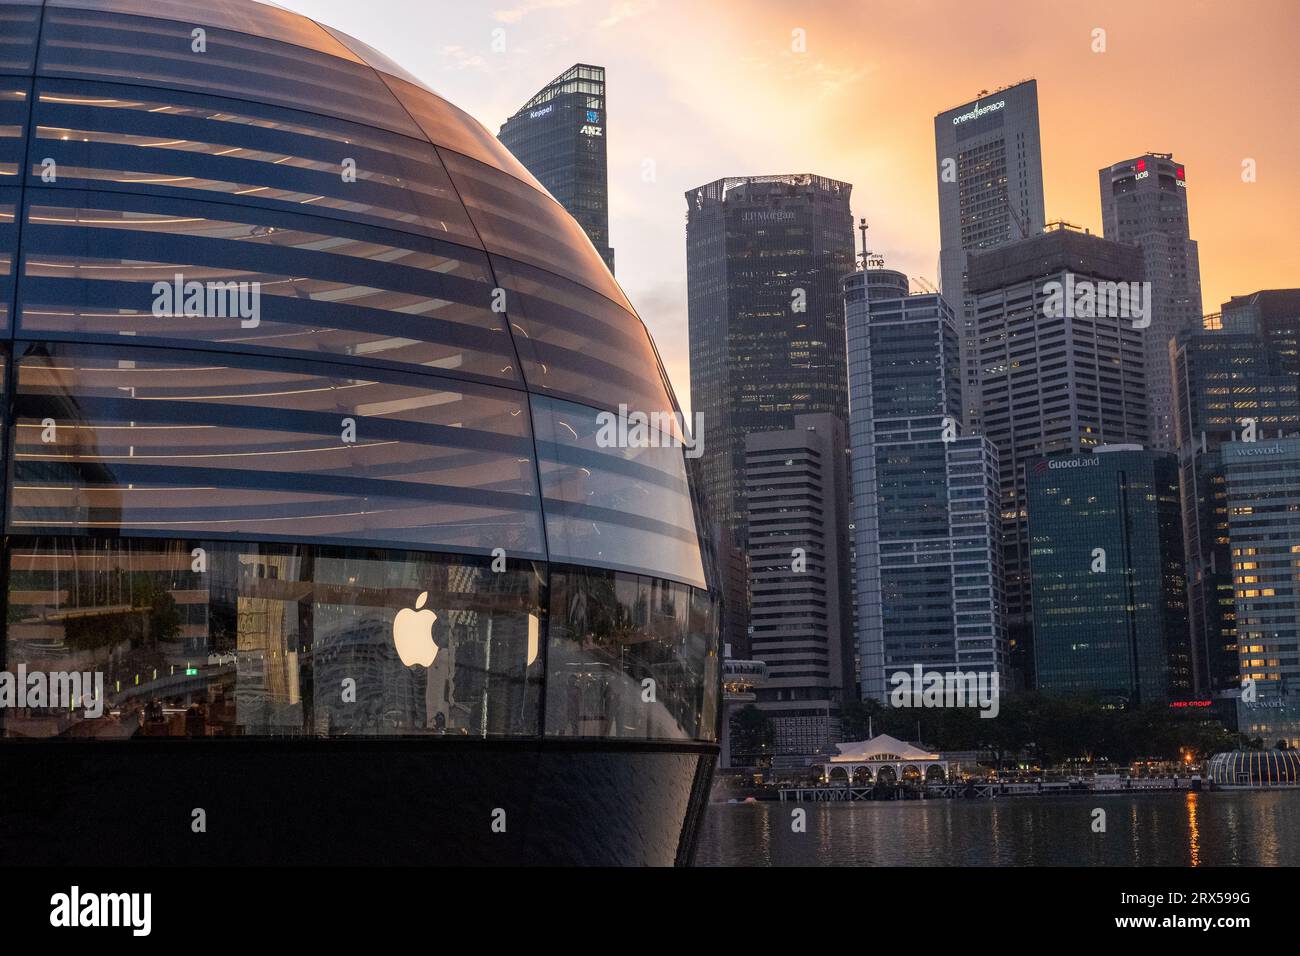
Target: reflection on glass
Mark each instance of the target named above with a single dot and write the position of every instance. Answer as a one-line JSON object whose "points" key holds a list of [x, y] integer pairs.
{"points": [[618, 507], [109, 437], [578, 344], [19, 26], [631, 657], [173, 142], [521, 222], [8, 251], [201, 639], [258, 19], [108, 46], [371, 295]]}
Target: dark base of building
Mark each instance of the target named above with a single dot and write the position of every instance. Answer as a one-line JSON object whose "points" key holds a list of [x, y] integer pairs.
{"points": [[351, 802]]}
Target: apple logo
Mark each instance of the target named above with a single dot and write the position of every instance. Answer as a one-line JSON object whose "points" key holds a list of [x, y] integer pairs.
{"points": [[413, 633]]}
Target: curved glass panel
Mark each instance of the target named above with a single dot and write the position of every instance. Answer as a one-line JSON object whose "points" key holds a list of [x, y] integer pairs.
{"points": [[141, 638], [20, 24], [521, 223], [174, 143], [13, 122], [110, 267], [106, 46], [242, 16], [368, 54], [450, 126], [9, 199], [150, 439], [575, 343], [615, 636], [614, 496]]}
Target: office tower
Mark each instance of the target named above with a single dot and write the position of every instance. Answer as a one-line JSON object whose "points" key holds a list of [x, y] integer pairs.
{"points": [[925, 499], [559, 135], [1052, 381], [1275, 315], [1144, 203], [764, 260], [1225, 379], [1263, 482], [796, 492], [1106, 556], [990, 174]]}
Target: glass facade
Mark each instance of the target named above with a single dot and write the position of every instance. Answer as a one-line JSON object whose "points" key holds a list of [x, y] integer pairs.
{"points": [[1110, 598], [304, 376]]}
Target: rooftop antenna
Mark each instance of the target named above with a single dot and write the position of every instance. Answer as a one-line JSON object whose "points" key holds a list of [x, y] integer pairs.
{"points": [[870, 260]]}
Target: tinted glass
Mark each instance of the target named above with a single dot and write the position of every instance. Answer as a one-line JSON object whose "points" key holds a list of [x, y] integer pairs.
{"points": [[105, 46], [145, 439], [450, 126], [181, 144], [519, 222], [614, 497], [631, 657], [368, 54], [242, 16], [9, 199], [575, 343], [104, 268], [208, 639], [13, 120], [19, 26]]}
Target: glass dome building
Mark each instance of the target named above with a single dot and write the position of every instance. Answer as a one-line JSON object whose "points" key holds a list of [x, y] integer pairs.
{"points": [[1255, 768], [314, 531]]}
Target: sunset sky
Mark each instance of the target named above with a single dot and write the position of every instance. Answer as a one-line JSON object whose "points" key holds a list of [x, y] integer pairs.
{"points": [[712, 88]]}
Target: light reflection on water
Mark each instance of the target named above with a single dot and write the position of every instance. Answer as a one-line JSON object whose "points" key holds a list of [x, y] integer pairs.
{"points": [[1151, 829]]}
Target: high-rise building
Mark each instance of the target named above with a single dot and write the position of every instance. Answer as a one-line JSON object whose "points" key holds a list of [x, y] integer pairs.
{"points": [[559, 135], [1144, 203], [990, 174], [1225, 380], [1052, 380], [796, 490], [764, 260], [1263, 481], [925, 499], [1106, 553], [1275, 315]]}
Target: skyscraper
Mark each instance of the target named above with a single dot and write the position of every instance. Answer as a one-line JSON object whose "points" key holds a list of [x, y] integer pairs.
{"points": [[1106, 549], [764, 260], [990, 175], [1275, 315], [1052, 381], [1263, 481], [1224, 380], [1144, 203], [559, 135], [796, 489], [925, 499]]}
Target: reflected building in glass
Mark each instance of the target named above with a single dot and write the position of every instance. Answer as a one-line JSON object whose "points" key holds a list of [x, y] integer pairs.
{"points": [[306, 377]]}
